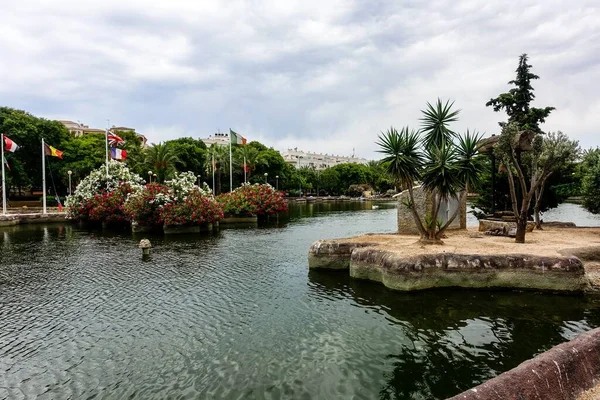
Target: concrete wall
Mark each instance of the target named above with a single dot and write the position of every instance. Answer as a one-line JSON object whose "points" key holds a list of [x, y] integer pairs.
{"points": [[406, 221], [563, 372]]}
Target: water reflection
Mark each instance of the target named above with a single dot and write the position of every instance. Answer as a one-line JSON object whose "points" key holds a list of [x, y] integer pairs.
{"points": [[475, 335]]}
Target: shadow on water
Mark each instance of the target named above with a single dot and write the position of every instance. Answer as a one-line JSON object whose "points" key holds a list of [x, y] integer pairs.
{"points": [[460, 338]]}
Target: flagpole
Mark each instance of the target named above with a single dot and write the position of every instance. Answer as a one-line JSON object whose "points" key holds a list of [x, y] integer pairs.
{"points": [[107, 124], [3, 178], [230, 167], [213, 168], [245, 180], [44, 176]]}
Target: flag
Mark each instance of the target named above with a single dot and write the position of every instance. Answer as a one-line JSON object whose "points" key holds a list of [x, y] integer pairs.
{"points": [[59, 204], [117, 154], [236, 138], [114, 140], [9, 145], [51, 151], [6, 162]]}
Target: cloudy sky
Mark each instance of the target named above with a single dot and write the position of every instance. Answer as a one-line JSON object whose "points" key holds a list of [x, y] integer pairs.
{"points": [[322, 75]]}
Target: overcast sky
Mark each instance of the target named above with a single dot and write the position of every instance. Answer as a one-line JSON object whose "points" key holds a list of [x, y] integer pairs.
{"points": [[318, 75]]}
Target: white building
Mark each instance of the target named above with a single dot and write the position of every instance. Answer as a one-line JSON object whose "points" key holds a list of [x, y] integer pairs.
{"points": [[221, 139], [78, 129], [299, 159]]}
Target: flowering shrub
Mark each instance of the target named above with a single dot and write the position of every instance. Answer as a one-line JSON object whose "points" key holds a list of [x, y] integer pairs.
{"points": [[253, 200], [145, 206], [80, 203], [108, 206], [195, 209]]}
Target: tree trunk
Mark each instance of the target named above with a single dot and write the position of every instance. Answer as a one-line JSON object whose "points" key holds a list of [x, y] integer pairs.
{"points": [[521, 229]]}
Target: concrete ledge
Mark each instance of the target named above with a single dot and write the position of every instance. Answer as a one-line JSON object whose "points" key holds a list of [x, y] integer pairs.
{"points": [[410, 272], [512, 271], [563, 372], [33, 218], [327, 254], [239, 220]]}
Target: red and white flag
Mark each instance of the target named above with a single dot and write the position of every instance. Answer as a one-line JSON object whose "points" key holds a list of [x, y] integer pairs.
{"points": [[118, 154], [114, 140], [9, 145]]}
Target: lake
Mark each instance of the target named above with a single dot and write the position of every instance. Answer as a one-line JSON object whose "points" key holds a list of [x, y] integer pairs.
{"points": [[238, 315]]}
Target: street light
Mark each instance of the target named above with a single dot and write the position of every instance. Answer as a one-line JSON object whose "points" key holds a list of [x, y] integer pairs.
{"points": [[69, 172], [266, 174], [276, 182], [149, 176], [155, 177]]}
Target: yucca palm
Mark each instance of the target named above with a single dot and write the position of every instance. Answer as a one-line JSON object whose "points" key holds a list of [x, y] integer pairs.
{"points": [[434, 124], [161, 159], [445, 163]]}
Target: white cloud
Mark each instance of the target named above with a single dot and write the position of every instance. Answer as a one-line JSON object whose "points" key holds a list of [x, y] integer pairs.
{"points": [[323, 76]]}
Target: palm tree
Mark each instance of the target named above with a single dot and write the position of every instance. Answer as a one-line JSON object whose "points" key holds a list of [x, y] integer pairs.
{"points": [[161, 159], [445, 163], [253, 157], [220, 154]]}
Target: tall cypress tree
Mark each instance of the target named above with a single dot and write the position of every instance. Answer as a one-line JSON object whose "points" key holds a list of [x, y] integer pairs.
{"points": [[516, 103]]}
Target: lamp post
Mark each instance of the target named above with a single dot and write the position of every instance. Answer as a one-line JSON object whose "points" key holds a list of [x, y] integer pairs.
{"points": [[69, 172], [155, 177], [276, 182], [149, 176], [266, 174]]}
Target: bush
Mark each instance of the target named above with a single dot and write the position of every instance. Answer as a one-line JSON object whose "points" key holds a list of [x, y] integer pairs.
{"points": [[590, 188], [145, 207], [108, 207], [257, 199], [195, 209]]}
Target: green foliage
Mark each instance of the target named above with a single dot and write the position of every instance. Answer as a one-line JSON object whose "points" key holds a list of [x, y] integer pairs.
{"points": [[161, 160], [590, 185], [516, 102], [444, 162], [27, 131], [434, 124], [191, 155]]}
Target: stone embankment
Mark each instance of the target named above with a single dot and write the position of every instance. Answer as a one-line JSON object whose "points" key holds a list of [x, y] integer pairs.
{"points": [[569, 371], [32, 218], [551, 260]]}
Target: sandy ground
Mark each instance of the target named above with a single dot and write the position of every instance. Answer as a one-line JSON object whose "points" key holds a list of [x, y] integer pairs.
{"points": [[543, 243], [592, 394]]}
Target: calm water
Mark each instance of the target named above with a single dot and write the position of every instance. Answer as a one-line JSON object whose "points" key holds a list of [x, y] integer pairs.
{"points": [[238, 315]]}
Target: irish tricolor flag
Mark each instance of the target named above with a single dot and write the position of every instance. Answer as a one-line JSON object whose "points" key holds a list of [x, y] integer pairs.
{"points": [[9, 145]]}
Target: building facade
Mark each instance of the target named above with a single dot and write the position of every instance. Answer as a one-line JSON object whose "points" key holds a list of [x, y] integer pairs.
{"points": [[78, 129], [318, 161], [220, 139]]}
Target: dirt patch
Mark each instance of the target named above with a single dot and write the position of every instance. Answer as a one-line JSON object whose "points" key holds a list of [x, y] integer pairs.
{"points": [[592, 394], [549, 242]]}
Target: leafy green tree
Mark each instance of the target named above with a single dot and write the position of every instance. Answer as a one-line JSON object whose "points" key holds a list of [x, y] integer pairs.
{"points": [[557, 152], [519, 134], [191, 155], [446, 164], [330, 180], [590, 185], [161, 159], [27, 131], [517, 101], [253, 158]]}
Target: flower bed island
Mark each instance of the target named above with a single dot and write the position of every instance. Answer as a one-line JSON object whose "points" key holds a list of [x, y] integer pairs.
{"points": [[249, 202], [120, 199]]}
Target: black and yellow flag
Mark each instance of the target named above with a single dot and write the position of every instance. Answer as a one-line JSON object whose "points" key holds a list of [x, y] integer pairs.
{"points": [[51, 151]]}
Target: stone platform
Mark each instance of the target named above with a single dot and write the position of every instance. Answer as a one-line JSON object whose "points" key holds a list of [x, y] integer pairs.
{"points": [[32, 218], [550, 260]]}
